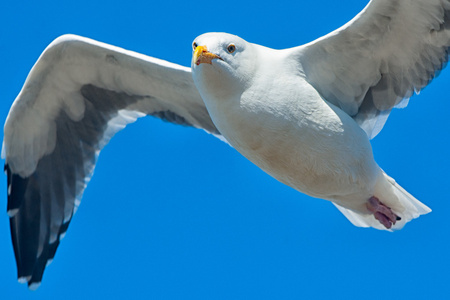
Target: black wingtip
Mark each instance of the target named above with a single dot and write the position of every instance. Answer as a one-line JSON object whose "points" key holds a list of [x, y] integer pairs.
{"points": [[31, 254], [18, 185]]}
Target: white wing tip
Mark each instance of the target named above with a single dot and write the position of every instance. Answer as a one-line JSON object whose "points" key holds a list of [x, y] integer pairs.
{"points": [[23, 279], [12, 212], [49, 262], [34, 286]]}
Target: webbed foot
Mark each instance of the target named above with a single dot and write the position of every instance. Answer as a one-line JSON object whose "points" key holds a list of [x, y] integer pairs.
{"points": [[382, 213]]}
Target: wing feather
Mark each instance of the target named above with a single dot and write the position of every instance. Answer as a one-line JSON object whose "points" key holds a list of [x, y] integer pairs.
{"points": [[77, 96], [380, 58]]}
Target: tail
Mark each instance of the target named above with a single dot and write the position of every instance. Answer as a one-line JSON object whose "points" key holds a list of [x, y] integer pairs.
{"points": [[393, 195]]}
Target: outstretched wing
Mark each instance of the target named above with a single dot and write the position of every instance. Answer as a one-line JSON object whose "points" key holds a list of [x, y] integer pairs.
{"points": [[77, 96], [377, 60]]}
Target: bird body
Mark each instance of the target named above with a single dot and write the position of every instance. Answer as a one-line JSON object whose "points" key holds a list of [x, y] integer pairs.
{"points": [[280, 122], [288, 130]]}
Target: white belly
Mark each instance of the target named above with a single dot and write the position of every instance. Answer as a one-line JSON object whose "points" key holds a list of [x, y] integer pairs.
{"points": [[307, 144]]}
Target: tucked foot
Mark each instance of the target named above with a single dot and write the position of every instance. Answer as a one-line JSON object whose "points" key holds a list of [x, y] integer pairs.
{"points": [[382, 213]]}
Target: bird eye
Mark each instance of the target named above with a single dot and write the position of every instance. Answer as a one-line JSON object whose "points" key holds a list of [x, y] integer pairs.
{"points": [[194, 45], [231, 48]]}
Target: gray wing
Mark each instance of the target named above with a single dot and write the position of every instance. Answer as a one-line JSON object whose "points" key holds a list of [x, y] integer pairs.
{"points": [[377, 60], [77, 96]]}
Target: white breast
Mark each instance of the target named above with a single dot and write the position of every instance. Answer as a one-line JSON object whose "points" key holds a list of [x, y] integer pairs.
{"points": [[296, 137]]}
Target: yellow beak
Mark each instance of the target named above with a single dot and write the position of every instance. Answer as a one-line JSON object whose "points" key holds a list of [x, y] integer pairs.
{"points": [[201, 55]]}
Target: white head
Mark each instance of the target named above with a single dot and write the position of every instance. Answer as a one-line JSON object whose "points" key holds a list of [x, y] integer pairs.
{"points": [[223, 65]]}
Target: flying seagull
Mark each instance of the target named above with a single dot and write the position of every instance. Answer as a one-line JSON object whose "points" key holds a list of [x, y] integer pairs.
{"points": [[304, 115]]}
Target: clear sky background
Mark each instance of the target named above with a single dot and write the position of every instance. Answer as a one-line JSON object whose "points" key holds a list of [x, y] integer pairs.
{"points": [[173, 213]]}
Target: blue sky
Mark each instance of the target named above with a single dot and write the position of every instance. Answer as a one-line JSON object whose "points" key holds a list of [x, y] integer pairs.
{"points": [[172, 213]]}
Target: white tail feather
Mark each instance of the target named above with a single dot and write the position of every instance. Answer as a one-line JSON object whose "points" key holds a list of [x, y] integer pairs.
{"points": [[394, 196]]}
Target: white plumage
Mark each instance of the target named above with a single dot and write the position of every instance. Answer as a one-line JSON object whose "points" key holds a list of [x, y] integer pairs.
{"points": [[304, 115]]}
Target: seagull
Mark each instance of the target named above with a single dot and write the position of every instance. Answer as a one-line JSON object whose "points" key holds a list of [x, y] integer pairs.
{"points": [[304, 115]]}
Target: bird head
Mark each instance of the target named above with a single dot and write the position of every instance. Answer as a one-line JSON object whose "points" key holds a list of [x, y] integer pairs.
{"points": [[222, 65]]}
